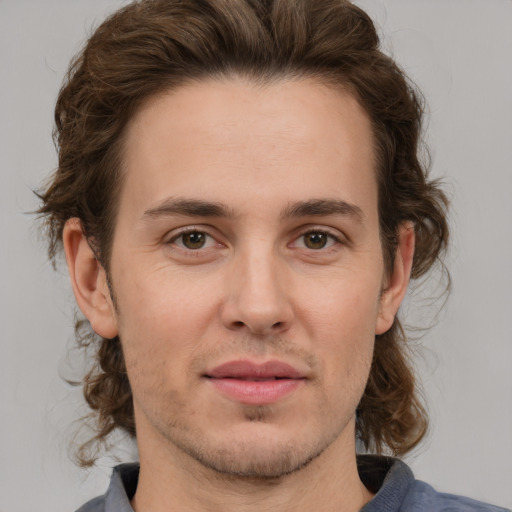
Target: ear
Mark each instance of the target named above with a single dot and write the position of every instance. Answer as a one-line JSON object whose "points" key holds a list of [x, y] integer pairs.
{"points": [[89, 281], [398, 282]]}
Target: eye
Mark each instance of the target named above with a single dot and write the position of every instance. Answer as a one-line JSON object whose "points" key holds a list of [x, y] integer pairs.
{"points": [[316, 240], [193, 240]]}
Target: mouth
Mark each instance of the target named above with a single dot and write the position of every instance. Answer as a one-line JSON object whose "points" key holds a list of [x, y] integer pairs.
{"points": [[255, 384]]}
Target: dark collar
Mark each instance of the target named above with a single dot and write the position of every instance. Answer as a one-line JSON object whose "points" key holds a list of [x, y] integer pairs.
{"points": [[389, 479]]}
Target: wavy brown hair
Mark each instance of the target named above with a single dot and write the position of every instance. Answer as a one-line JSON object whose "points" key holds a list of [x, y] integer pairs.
{"points": [[152, 46]]}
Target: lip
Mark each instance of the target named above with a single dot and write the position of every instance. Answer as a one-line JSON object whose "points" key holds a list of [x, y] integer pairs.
{"points": [[255, 383]]}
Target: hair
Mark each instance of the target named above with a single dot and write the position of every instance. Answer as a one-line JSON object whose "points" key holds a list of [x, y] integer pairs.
{"points": [[152, 46]]}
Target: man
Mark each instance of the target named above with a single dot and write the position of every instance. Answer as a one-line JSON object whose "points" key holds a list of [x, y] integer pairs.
{"points": [[241, 206]]}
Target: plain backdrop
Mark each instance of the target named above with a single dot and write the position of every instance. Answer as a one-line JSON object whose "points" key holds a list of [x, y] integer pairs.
{"points": [[460, 54]]}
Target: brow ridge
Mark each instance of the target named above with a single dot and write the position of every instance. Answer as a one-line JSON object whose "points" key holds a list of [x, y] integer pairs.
{"points": [[188, 207], [200, 208], [322, 207]]}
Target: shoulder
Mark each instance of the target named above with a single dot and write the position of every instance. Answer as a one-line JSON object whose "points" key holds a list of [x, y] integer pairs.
{"points": [[95, 505], [396, 490], [423, 497]]}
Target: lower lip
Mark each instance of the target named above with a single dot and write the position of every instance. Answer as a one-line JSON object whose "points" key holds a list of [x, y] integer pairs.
{"points": [[256, 392]]}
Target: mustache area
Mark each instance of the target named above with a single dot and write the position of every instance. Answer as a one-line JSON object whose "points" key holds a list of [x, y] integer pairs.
{"points": [[251, 347]]}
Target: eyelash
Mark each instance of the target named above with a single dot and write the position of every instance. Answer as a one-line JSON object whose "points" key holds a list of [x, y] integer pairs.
{"points": [[188, 231], [310, 231]]}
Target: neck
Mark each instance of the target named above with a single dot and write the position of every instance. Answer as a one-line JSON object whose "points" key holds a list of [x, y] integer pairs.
{"points": [[171, 480]]}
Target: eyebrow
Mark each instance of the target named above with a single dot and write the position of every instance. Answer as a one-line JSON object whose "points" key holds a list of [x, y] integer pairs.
{"points": [[323, 207], [188, 208], [200, 208]]}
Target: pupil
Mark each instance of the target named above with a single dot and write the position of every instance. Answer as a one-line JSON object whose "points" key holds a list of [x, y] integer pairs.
{"points": [[194, 240], [316, 240]]}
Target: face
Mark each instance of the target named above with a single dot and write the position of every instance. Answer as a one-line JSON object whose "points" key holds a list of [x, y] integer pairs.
{"points": [[248, 272]]}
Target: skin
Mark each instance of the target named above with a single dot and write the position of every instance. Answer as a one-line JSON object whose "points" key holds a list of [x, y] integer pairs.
{"points": [[274, 280]]}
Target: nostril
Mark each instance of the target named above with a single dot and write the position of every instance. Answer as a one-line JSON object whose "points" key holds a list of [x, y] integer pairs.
{"points": [[277, 325]]}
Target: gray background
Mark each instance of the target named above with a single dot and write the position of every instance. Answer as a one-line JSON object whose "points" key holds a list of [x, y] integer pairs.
{"points": [[459, 52]]}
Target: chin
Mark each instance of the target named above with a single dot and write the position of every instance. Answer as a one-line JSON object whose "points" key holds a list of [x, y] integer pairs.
{"points": [[256, 452], [252, 461]]}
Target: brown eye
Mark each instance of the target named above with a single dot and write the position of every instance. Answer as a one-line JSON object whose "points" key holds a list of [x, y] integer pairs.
{"points": [[316, 240], [193, 240]]}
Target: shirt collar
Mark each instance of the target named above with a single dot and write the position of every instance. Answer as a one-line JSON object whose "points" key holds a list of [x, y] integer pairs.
{"points": [[389, 478], [121, 490]]}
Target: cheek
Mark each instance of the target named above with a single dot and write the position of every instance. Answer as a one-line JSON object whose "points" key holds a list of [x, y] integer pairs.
{"points": [[159, 328], [163, 304], [342, 323], [157, 351], [165, 318], [344, 308]]}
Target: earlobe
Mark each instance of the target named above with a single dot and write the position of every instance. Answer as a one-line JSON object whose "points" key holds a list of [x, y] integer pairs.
{"points": [[89, 280], [398, 281]]}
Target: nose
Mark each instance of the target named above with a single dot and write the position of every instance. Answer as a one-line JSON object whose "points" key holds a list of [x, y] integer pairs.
{"points": [[257, 300]]}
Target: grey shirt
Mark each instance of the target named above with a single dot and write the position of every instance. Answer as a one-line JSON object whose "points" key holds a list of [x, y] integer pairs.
{"points": [[392, 480]]}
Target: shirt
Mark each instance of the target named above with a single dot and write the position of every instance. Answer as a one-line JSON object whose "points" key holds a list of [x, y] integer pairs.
{"points": [[392, 480]]}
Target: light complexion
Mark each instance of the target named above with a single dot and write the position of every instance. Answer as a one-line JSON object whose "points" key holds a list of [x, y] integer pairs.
{"points": [[246, 248]]}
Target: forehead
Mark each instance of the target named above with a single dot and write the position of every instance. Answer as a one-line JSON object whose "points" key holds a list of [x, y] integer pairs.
{"points": [[282, 142]]}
